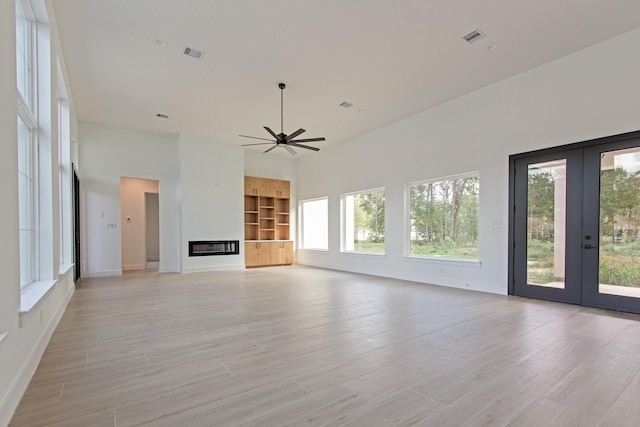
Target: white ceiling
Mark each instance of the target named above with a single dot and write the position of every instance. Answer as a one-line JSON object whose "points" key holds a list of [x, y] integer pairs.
{"points": [[389, 58]]}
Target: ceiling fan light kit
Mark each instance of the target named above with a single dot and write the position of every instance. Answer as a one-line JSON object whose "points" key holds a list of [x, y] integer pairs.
{"points": [[282, 139]]}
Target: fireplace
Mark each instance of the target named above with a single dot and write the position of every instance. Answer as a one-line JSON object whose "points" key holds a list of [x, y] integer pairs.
{"points": [[214, 247]]}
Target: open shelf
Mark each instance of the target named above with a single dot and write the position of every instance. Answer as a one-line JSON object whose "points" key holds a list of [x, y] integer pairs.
{"points": [[267, 216]]}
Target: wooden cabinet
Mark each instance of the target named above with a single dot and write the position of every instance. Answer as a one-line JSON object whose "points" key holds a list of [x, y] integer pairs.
{"points": [[278, 188], [266, 187], [263, 253], [267, 218], [255, 186]]}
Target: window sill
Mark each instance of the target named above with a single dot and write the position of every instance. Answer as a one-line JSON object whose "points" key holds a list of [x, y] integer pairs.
{"points": [[34, 293], [64, 269], [367, 254], [472, 263]]}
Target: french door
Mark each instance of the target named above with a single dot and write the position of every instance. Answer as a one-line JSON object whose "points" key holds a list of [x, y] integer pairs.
{"points": [[575, 224]]}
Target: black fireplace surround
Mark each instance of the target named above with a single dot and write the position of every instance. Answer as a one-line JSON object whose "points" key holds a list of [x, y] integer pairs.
{"points": [[214, 247]]}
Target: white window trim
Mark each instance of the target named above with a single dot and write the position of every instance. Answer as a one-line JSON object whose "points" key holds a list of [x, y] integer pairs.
{"points": [[343, 221], [30, 118], [471, 262], [301, 225]]}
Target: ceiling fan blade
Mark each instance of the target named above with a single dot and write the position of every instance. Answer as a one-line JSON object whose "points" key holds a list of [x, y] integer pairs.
{"points": [[302, 146], [273, 134], [309, 140], [258, 143], [290, 150], [255, 137], [269, 149], [296, 133]]}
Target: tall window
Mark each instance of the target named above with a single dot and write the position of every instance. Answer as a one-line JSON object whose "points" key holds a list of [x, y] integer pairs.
{"points": [[363, 221], [26, 183], [27, 127], [314, 224], [443, 217], [64, 172], [24, 52]]}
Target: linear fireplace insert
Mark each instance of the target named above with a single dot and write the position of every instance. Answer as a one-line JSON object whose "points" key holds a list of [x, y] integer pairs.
{"points": [[214, 247]]}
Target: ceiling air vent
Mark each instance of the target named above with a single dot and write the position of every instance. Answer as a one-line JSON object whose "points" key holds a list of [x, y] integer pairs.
{"points": [[346, 104], [194, 53], [162, 116], [473, 36]]}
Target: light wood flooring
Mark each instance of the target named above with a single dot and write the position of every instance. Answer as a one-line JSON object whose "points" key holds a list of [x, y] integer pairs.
{"points": [[297, 346]]}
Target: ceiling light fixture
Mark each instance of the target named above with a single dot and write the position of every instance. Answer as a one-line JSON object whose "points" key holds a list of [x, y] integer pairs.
{"points": [[492, 46]]}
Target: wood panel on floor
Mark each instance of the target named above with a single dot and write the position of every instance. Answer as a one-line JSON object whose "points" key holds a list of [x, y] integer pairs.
{"points": [[306, 346]]}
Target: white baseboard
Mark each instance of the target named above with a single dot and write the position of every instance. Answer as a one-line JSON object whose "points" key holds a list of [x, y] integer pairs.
{"points": [[130, 267], [103, 273], [152, 264], [14, 393], [207, 269]]}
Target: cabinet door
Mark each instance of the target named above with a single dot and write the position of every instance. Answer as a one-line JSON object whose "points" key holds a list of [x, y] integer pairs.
{"points": [[251, 254], [287, 253], [285, 189], [279, 188], [275, 251], [255, 186], [249, 186], [264, 253]]}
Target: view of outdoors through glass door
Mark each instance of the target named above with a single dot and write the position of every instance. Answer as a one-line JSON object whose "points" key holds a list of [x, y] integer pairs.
{"points": [[546, 223], [619, 254], [575, 223]]}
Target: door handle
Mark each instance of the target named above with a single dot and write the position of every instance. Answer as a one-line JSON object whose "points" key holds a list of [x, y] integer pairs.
{"points": [[589, 246]]}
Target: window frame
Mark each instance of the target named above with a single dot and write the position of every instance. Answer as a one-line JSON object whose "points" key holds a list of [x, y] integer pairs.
{"points": [[28, 101], [65, 235], [343, 220], [408, 222], [27, 108]]}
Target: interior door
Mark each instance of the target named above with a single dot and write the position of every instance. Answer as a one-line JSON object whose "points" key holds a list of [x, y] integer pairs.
{"points": [[575, 225], [152, 227]]}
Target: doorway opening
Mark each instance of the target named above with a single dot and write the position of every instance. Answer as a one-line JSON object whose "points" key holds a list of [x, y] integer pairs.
{"points": [[140, 219], [574, 224]]}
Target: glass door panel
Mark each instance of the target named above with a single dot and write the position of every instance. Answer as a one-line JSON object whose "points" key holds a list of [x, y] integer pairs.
{"points": [[576, 224], [619, 253], [546, 223], [547, 226]]}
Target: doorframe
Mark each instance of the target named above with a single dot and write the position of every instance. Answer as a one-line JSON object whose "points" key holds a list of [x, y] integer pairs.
{"points": [[512, 193], [77, 243]]}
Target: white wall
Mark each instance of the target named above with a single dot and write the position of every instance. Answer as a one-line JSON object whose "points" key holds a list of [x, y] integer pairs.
{"points": [[133, 231], [28, 332], [107, 154], [589, 94], [212, 200]]}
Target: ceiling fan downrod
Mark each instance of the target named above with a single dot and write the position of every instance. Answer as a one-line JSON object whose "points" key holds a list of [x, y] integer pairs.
{"points": [[281, 86]]}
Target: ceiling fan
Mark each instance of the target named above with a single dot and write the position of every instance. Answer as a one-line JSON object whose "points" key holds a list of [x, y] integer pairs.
{"points": [[281, 139]]}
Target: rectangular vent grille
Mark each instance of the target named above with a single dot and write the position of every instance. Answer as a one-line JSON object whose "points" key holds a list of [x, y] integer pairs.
{"points": [[346, 104], [193, 53], [162, 116], [214, 247], [473, 36]]}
